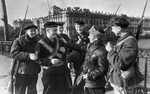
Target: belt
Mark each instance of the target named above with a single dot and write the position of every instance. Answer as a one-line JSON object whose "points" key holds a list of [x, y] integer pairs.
{"points": [[54, 65], [45, 67]]}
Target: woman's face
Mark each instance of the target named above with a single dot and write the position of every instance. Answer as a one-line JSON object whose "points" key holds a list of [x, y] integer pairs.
{"points": [[116, 30]]}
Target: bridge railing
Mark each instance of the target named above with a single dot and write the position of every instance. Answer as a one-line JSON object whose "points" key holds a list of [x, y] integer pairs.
{"points": [[144, 64], [5, 47]]}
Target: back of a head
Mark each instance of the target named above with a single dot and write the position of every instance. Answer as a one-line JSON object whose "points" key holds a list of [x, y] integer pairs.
{"points": [[97, 31]]}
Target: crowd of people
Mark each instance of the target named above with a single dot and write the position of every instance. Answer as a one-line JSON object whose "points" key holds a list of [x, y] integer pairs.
{"points": [[80, 64]]}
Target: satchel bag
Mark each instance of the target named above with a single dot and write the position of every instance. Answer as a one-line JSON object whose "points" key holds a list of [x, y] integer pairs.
{"points": [[128, 73], [138, 76], [132, 77]]}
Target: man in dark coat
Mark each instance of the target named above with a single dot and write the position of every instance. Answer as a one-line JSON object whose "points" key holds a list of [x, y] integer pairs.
{"points": [[60, 29], [122, 58], [95, 65], [75, 58], [50, 53], [61, 33], [23, 50]]}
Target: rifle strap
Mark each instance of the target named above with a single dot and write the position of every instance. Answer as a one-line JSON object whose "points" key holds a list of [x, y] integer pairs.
{"points": [[119, 43]]}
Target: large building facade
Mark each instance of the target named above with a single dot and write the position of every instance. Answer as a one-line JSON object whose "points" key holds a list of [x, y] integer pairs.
{"points": [[70, 15]]}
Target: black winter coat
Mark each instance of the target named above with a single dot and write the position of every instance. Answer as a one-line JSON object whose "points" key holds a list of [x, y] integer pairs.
{"points": [[20, 50], [95, 63], [44, 53]]}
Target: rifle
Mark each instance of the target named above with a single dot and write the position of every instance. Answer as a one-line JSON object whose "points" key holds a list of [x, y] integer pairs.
{"points": [[13, 71], [112, 19], [140, 24], [21, 30], [14, 66], [48, 6]]}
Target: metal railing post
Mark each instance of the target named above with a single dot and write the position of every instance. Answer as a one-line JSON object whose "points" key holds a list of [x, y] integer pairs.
{"points": [[145, 80], [2, 47]]}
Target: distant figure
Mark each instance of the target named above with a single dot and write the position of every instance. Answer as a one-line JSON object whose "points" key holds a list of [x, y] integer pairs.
{"points": [[23, 50], [95, 64], [50, 52], [122, 58], [60, 29], [75, 58]]}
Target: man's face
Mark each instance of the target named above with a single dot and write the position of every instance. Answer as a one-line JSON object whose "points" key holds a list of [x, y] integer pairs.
{"points": [[60, 29], [31, 32], [116, 30], [51, 31], [91, 38], [79, 28]]}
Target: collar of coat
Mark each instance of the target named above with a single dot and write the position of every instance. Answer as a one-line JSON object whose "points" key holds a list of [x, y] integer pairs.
{"points": [[24, 39], [123, 37], [96, 43], [47, 40], [83, 34]]}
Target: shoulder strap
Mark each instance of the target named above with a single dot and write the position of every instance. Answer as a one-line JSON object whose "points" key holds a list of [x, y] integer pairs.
{"points": [[119, 43], [48, 47]]}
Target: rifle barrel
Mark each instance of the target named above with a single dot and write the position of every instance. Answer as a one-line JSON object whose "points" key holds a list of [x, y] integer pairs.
{"points": [[48, 5], [139, 27], [144, 8], [117, 9], [23, 21], [111, 18]]}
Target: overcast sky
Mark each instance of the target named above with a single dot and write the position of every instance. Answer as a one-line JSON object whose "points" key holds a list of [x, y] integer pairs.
{"points": [[39, 8]]}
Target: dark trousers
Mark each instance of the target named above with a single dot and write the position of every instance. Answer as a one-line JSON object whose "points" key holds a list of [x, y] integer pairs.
{"points": [[54, 84], [78, 89], [94, 91], [26, 82]]}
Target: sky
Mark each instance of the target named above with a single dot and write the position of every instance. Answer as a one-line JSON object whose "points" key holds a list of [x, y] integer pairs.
{"points": [[39, 8]]}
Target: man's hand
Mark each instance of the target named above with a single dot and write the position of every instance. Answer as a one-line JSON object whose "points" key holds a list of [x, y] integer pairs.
{"points": [[63, 40], [85, 76], [109, 46], [55, 61], [33, 56]]}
